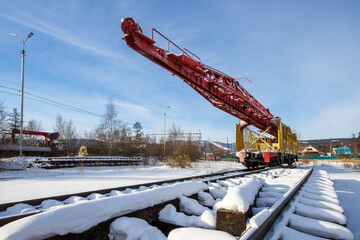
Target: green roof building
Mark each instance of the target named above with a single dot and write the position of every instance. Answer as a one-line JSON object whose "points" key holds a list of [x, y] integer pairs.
{"points": [[342, 151]]}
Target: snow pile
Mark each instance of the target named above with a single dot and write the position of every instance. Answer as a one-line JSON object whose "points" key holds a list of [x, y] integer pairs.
{"points": [[94, 196], [49, 203], [240, 198], [259, 218], [199, 234], [206, 199], [76, 218], [127, 228], [320, 213], [218, 192], [20, 208], [169, 214], [191, 206], [284, 232], [74, 199], [318, 227], [15, 163]]}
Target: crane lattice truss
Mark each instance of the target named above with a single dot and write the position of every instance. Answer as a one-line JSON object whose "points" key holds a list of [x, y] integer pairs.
{"points": [[221, 90]]}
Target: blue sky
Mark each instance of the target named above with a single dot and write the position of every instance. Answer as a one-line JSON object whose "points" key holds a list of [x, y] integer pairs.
{"points": [[302, 57]]}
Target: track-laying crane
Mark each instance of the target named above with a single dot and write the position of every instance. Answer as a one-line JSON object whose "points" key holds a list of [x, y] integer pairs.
{"points": [[8, 147], [223, 92]]}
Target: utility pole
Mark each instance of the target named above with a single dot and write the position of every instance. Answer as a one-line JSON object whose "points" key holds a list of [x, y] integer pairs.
{"points": [[165, 130], [22, 86], [330, 146], [227, 139]]}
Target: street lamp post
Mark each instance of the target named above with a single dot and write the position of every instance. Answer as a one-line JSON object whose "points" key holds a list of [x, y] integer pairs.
{"points": [[165, 130], [22, 86]]}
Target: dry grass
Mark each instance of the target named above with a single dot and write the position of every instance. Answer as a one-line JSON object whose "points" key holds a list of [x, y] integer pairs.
{"points": [[308, 161], [352, 163], [345, 162], [81, 166], [179, 162], [196, 164]]}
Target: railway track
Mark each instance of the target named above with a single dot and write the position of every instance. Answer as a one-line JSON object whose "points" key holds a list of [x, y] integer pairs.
{"points": [[89, 161], [197, 202], [30, 207]]}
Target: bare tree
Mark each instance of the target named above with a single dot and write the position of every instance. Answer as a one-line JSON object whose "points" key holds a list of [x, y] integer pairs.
{"points": [[125, 145], [67, 134], [109, 130], [33, 125], [181, 151], [3, 120], [355, 144]]}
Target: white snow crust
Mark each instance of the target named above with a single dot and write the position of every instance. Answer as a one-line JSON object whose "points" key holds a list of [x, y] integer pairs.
{"points": [[240, 198], [79, 217], [206, 199], [259, 218], [319, 228], [199, 234], [127, 228], [206, 220], [191, 206]]}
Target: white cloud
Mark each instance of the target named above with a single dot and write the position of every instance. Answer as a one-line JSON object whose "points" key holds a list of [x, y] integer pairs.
{"points": [[84, 42]]}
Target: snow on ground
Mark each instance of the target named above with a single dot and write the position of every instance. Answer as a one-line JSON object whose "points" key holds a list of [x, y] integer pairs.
{"points": [[38, 183]]}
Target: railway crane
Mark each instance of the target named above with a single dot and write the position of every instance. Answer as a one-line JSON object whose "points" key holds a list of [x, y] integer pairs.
{"points": [[46, 147], [223, 92]]}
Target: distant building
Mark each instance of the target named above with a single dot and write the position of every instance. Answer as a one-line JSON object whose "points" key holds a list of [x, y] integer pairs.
{"points": [[342, 151], [309, 151]]}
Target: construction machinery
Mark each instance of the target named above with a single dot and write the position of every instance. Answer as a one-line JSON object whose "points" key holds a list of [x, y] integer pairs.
{"points": [[9, 147], [276, 144]]}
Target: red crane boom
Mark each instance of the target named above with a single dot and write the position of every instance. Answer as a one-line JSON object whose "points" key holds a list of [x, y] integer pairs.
{"points": [[221, 90]]}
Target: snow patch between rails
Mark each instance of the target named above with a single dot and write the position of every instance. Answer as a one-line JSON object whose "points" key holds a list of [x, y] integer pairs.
{"points": [[199, 234], [206, 220], [128, 228], [240, 198], [79, 217]]}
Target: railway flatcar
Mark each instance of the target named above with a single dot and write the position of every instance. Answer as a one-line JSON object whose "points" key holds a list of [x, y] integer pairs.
{"points": [[260, 149]]}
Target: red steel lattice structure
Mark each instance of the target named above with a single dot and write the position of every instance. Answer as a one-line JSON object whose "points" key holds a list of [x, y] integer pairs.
{"points": [[221, 90]]}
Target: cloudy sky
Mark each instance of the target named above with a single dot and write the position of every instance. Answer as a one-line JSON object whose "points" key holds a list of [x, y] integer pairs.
{"points": [[303, 58]]}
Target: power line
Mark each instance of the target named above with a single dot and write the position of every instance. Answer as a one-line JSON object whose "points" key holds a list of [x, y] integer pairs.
{"points": [[62, 105], [56, 104], [59, 99], [52, 102]]}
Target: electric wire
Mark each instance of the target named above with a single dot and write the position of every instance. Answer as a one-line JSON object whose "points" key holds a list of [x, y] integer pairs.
{"points": [[62, 105], [55, 103]]}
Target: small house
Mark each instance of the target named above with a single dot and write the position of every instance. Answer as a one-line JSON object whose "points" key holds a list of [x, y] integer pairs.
{"points": [[309, 151]]}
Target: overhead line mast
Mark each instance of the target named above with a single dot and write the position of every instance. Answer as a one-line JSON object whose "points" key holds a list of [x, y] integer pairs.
{"points": [[221, 90]]}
